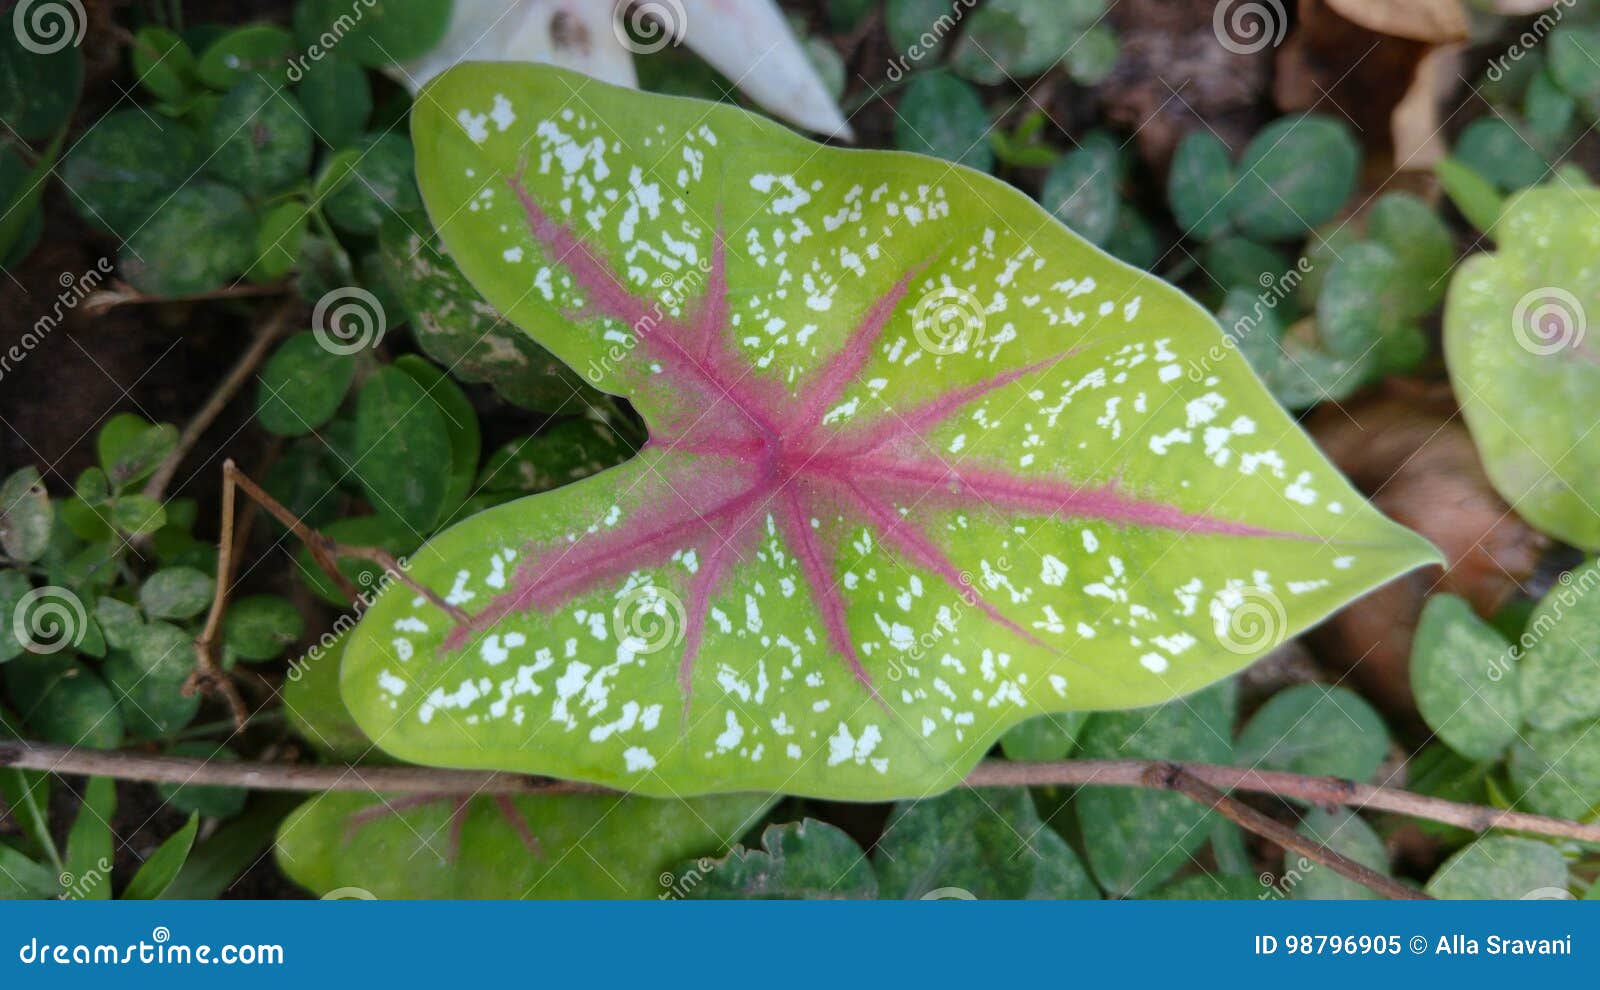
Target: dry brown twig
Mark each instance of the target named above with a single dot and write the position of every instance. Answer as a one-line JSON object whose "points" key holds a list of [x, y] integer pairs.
{"points": [[103, 301], [267, 333], [1203, 782], [1173, 777], [325, 552]]}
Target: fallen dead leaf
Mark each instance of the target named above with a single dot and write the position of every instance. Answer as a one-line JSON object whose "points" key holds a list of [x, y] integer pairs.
{"points": [[1408, 450], [1385, 65], [1436, 22]]}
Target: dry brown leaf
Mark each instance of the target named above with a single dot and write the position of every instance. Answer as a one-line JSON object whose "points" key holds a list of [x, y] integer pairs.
{"points": [[1388, 81], [1518, 8], [1416, 126], [1411, 453], [1436, 22]]}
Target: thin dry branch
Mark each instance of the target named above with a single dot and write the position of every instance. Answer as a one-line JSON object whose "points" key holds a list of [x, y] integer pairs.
{"points": [[325, 552], [267, 333], [121, 293], [1327, 791], [1172, 777]]}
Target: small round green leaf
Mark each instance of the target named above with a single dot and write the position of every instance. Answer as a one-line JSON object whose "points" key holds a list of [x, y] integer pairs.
{"points": [[804, 860], [176, 593], [26, 516], [337, 98], [378, 183], [1346, 833], [978, 842], [64, 701], [398, 430], [1092, 57], [943, 116], [261, 627], [1199, 183], [148, 680], [39, 82], [1081, 190], [125, 166], [259, 51], [1464, 679], [1493, 148], [1295, 174], [302, 386], [200, 238], [1318, 730], [163, 64], [387, 31], [1501, 868], [1142, 837], [259, 139]]}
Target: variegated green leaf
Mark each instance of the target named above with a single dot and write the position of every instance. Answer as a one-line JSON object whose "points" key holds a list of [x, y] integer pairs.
{"points": [[922, 464], [587, 846], [1516, 338]]}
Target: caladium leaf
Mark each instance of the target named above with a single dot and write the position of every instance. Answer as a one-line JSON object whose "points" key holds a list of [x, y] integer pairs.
{"points": [[540, 846], [922, 464], [1520, 356]]}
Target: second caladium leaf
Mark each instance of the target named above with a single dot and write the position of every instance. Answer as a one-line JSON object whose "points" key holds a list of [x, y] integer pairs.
{"points": [[922, 464], [1516, 342]]}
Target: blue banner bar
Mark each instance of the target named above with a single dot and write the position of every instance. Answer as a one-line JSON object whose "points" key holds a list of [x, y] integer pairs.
{"points": [[744, 944]]}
